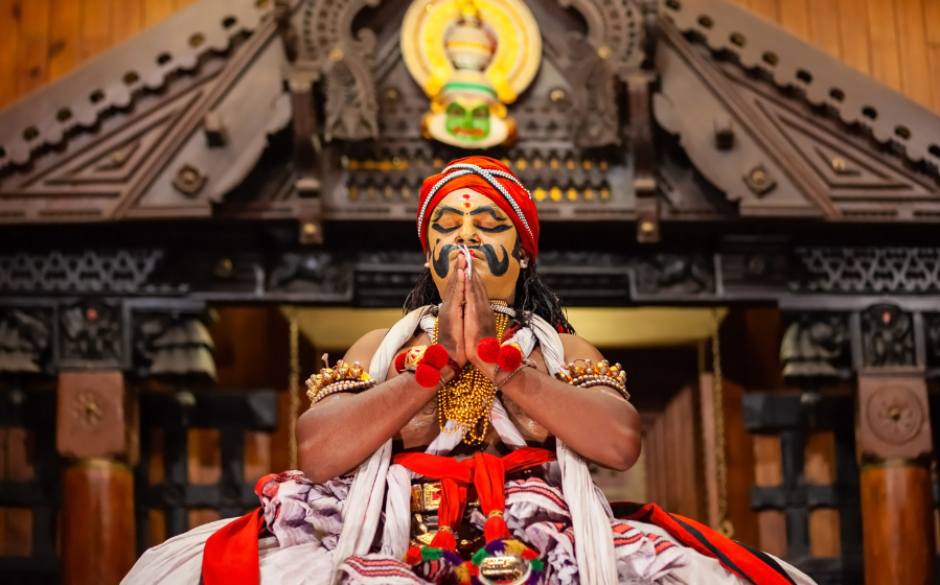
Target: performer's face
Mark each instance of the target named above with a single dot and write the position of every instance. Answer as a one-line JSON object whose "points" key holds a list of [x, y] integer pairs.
{"points": [[468, 218]]}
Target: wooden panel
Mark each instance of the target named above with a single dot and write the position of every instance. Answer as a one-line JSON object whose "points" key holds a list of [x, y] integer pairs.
{"points": [[794, 16], [127, 19], [157, 10], [707, 411], [204, 466], [739, 451], [10, 14], [769, 9], [933, 74], [853, 23], [768, 471], [673, 473], [16, 524], [65, 37], [33, 50], [820, 468], [885, 64], [822, 15], [912, 37], [96, 27]]}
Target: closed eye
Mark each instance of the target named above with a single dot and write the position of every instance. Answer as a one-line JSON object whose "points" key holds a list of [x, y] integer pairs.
{"points": [[443, 230], [496, 229]]}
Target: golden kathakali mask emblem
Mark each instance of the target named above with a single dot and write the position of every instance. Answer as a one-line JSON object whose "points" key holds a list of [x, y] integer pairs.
{"points": [[471, 57]]}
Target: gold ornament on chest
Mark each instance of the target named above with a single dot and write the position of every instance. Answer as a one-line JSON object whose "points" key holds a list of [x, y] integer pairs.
{"points": [[467, 399]]}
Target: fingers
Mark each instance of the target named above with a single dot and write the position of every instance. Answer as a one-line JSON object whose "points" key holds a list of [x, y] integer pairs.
{"points": [[457, 280]]}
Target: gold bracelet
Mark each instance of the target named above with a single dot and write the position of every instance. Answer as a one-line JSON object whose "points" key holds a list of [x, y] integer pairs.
{"points": [[588, 375], [342, 377]]}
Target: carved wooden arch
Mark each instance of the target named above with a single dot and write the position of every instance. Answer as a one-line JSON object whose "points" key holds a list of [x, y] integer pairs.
{"points": [[346, 62]]}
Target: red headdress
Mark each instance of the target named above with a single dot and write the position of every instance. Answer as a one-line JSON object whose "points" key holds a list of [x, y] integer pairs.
{"points": [[491, 178]]}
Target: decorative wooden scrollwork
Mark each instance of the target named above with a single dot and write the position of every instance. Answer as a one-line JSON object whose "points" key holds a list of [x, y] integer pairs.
{"points": [[347, 62]]}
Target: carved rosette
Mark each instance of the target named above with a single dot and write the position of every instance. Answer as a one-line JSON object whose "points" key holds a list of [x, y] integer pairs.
{"points": [[893, 421]]}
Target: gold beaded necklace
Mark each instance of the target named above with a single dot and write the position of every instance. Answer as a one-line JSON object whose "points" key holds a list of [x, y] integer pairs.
{"points": [[467, 399]]}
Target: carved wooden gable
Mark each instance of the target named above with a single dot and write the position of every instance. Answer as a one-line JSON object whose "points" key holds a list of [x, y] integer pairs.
{"points": [[640, 111], [782, 129], [161, 126]]}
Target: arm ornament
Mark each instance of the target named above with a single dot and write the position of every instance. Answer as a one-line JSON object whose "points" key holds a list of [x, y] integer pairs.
{"points": [[426, 361], [585, 374], [340, 378]]}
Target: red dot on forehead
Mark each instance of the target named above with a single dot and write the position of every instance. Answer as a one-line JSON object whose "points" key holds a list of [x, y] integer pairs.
{"points": [[466, 196], [467, 205]]}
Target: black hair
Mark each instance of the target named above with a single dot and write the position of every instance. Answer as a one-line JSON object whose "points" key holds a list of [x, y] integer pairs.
{"points": [[533, 296]]}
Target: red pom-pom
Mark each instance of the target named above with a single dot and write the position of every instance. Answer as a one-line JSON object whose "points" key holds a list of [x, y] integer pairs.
{"points": [[427, 376], [510, 357], [529, 554], [488, 349], [435, 356], [413, 556], [400, 361]]}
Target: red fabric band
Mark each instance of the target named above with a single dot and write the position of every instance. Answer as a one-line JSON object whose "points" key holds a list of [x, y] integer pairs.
{"points": [[488, 474]]}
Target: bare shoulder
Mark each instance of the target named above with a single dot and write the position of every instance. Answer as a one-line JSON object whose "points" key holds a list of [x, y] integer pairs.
{"points": [[578, 348], [363, 350]]}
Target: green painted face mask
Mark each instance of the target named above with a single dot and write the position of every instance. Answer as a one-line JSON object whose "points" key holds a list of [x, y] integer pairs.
{"points": [[468, 125]]}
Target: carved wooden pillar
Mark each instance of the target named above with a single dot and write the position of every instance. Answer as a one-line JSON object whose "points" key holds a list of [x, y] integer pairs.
{"points": [[895, 442], [94, 435]]}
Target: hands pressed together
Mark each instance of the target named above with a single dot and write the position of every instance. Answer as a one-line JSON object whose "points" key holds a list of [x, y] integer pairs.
{"points": [[466, 318]]}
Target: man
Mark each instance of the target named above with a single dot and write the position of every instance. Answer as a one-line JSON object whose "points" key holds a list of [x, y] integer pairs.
{"points": [[461, 456]]}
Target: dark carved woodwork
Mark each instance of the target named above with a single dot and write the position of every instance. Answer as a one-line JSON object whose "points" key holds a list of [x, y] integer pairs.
{"points": [[932, 341], [346, 63], [887, 337], [792, 416], [232, 413], [312, 272], [173, 347], [25, 341], [36, 412], [675, 275], [121, 272], [868, 270], [817, 346], [90, 336]]}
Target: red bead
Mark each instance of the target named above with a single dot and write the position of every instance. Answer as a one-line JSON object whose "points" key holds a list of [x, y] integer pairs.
{"points": [[509, 358], [435, 356], [427, 376], [488, 350]]}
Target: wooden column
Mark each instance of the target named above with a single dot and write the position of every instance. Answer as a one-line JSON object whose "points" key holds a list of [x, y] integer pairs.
{"points": [[897, 507], [95, 436]]}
